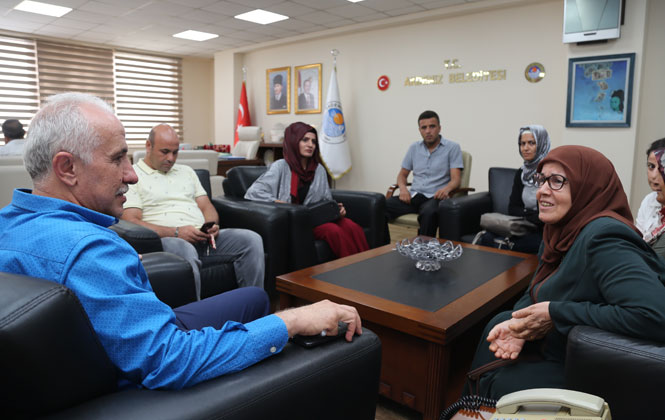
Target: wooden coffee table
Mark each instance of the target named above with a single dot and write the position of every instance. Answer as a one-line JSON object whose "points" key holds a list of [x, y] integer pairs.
{"points": [[429, 323]]}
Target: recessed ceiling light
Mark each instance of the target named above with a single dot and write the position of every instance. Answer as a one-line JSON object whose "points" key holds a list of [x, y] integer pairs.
{"points": [[195, 35], [354, 1], [42, 8], [261, 16]]}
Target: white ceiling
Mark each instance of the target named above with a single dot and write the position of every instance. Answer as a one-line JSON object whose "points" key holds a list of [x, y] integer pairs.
{"points": [[149, 24]]}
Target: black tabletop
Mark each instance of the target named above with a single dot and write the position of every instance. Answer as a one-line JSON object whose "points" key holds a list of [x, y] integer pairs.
{"points": [[394, 277]]}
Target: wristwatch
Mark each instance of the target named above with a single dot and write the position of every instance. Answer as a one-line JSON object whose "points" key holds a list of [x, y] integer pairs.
{"points": [[175, 235]]}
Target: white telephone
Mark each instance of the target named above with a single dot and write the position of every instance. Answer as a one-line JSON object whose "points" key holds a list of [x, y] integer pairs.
{"points": [[550, 404]]}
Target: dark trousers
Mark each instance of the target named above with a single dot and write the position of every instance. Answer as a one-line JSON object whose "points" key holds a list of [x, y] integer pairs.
{"points": [[241, 305], [427, 209], [529, 371]]}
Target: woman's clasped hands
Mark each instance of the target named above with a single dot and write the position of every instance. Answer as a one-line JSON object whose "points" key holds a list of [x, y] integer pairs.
{"points": [[531, 323]]}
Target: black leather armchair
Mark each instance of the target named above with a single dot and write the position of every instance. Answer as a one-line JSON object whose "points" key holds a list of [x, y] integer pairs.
{"points": [[628, 373], [218, 276], [365, 208], [170, 277], [459, 217], [53, 365]]}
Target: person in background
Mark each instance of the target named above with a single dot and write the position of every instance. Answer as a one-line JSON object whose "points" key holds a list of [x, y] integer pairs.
{"points": [[594, 270], [77, 158], [533, 144], [14, 142], [306, 99], [437, 170], [650, 219], [300, 178]]}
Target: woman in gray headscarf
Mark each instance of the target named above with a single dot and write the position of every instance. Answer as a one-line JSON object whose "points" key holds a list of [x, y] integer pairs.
{"points": [[533, 145]]}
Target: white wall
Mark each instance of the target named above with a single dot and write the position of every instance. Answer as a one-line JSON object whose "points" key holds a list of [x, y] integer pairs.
{"points": [[483, 116]]}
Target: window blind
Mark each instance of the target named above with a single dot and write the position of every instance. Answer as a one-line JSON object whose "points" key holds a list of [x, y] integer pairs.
{"points": [[75, 68], [145, 90], [148, 92], [19, 90]]}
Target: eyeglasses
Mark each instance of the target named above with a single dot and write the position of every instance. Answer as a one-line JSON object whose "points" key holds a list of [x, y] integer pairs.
{"points": [[555, 181]]}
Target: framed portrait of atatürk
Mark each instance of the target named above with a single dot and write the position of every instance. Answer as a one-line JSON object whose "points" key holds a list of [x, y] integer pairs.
{"points": [[278, 88]]}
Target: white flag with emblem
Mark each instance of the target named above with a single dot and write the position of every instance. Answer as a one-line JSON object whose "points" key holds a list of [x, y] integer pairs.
{"points": [[334, 148]]}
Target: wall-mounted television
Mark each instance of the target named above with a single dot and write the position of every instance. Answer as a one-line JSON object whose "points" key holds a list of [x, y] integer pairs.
{"points": [[591, 20]]}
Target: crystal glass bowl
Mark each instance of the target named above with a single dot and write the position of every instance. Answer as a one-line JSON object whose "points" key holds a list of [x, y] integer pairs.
{"points": [[428, 253]]}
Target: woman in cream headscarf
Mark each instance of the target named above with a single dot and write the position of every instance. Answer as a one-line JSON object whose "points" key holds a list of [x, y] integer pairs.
{"points": [[594, 270]]}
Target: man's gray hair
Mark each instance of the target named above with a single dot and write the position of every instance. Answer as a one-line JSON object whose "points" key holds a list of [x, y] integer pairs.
{"points": [[61, 126]]}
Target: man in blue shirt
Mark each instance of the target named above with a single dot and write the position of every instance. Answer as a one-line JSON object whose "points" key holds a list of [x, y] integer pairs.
{"points": [[437, 170], [77, 157]]}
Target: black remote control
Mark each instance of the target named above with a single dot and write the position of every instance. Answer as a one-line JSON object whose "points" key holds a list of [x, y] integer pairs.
{"points": [[310, 341]]}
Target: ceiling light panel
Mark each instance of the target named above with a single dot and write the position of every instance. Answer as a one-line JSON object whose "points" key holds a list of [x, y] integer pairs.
{"points": [[42, 8], [195, 35], [261, 16]]}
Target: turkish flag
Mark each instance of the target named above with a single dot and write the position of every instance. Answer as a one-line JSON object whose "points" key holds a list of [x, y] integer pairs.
{"points": [[244, 119]]}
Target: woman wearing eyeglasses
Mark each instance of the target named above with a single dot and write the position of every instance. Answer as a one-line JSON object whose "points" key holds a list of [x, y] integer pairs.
{"points": [[595, 270]]}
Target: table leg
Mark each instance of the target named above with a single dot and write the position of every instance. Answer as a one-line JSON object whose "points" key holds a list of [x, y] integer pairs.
{"points": [[438, 368]]}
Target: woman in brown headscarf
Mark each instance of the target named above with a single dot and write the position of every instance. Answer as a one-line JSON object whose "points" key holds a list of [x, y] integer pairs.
{"points": [[595, 270], [300, 179]]}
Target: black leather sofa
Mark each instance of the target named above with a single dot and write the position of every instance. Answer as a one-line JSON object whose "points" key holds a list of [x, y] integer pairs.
{"points": [[53, 366], [459, 217], [218, 276], [628, 373], [365, 208]]}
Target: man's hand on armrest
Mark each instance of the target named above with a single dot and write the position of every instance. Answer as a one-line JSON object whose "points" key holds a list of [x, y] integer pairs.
{"points": [[443, 193], [321, 316]]}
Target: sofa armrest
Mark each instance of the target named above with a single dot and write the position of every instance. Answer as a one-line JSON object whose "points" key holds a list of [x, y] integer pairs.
{"points": [[459, 216], [50, 356], [266, 219], [171, 278], [302, 251], [368, 209], [338, 380], [623, 370], [142, 239]]}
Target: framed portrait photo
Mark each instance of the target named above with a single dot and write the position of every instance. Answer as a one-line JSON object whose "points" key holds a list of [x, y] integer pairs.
{"points": [[278, 87], [307, 89], [600, 91]]}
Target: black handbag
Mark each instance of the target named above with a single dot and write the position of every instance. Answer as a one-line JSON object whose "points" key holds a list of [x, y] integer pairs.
{"points": [[323, 212]]}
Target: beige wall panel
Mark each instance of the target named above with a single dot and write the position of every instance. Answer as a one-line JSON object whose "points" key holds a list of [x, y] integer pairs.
{"points": [[198, 100]]}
